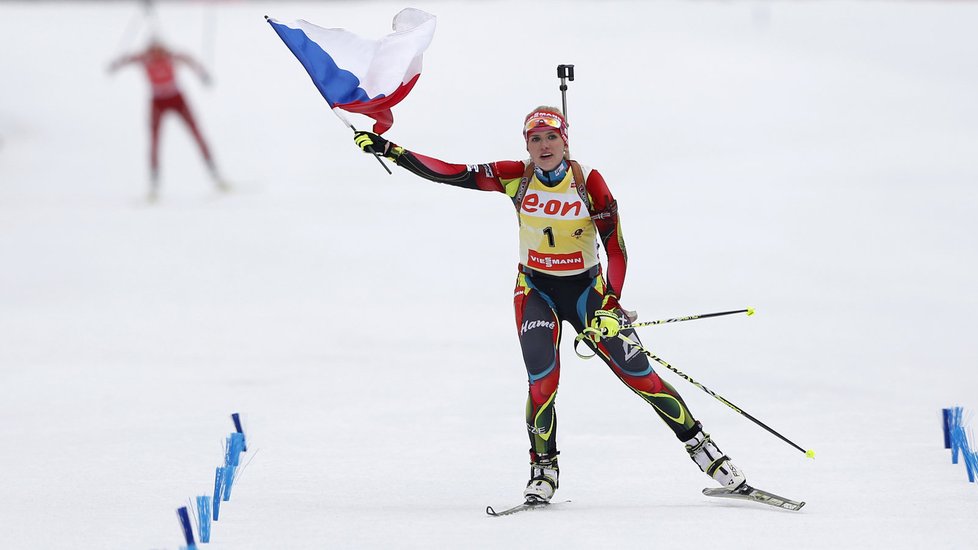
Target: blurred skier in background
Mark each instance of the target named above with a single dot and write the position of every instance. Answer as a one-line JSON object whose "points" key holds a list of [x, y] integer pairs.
{"points": [[159, 64], [564, 210]]}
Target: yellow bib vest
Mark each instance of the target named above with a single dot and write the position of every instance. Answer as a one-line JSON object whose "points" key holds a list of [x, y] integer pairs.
{"points": [[557, 235]]}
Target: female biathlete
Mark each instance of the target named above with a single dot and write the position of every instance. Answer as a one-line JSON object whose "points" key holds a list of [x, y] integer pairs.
{"points": [[564, 208]]}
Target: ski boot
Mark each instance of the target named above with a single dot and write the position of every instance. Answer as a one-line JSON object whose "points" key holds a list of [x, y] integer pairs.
{"points": [[154, 188], [220, 183], [543, 479], [712, 462]]}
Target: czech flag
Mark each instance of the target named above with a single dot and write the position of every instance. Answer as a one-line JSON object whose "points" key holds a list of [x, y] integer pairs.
{"points": [[359, 75]]}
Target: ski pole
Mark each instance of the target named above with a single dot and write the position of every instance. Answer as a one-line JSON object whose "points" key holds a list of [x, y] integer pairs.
{"points": [[134, 24], [749, 311], [593, 333], [207, 38], [810, 453], [565, 73]]}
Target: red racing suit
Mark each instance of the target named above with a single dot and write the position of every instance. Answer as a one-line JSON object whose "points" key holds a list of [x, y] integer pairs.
{"points": [[158, 63]]}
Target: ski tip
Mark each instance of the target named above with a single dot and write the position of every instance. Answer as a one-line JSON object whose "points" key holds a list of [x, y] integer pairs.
{"points": [[750, 311], [810, 453]]}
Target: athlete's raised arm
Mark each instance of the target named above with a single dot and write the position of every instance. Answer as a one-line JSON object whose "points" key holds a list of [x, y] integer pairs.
{"points": [[484, 177]]}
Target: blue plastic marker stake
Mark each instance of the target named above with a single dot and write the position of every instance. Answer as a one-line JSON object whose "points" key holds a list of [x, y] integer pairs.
{"points": [[232, 455], [204, 518], [973, 466], [955, 445], [968, 454], [235, 446], [237, 426], [218, 490], [228, 481], [188, 530], [947, 428], [955, 425]]}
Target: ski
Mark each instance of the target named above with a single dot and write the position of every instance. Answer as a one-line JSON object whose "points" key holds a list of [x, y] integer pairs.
{"points": [[528, 505], [746, 492]]}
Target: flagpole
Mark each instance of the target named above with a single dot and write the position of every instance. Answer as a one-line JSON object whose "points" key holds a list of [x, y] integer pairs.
{"points": [[370, 149]]}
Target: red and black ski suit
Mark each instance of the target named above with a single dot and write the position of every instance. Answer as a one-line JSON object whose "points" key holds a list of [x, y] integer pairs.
{"points": [[553, 287]]}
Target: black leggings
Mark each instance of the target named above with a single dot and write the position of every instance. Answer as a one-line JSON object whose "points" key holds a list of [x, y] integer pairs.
{"points": [[542, 303]]}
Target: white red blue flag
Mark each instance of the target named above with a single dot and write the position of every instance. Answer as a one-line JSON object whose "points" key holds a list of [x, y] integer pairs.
{"points": [[357, 74]]}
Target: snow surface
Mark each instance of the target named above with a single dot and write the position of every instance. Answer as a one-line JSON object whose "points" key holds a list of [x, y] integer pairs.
{"points": [[814, 160]]}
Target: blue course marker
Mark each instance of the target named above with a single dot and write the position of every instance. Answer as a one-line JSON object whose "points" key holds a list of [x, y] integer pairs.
{"points": [[218, 491], [204, 518], [188, 530], [947, 428], [237, 426]]}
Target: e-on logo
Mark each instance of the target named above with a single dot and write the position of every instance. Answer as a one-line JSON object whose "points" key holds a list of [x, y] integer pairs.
{"points": [[552, 205]]}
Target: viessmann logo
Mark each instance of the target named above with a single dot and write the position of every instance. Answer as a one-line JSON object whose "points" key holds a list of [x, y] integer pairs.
{"points": [[555, 262], [553, 205]]}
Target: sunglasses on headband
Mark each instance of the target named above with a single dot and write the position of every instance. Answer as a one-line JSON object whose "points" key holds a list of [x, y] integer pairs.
{"points": [[542, 121]]}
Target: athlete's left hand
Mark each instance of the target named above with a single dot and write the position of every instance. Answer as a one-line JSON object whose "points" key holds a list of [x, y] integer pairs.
{"points": [[610, 303], [606, 324]]}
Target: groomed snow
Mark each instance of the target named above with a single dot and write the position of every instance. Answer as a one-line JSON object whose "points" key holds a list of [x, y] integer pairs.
{"points": [[813, 160]]}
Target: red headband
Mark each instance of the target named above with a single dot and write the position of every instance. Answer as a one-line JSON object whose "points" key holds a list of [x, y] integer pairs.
{"points": [[545, 120]]}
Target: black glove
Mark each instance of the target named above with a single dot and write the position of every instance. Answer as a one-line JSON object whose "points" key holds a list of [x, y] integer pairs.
{"points": [[371, 143]]}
